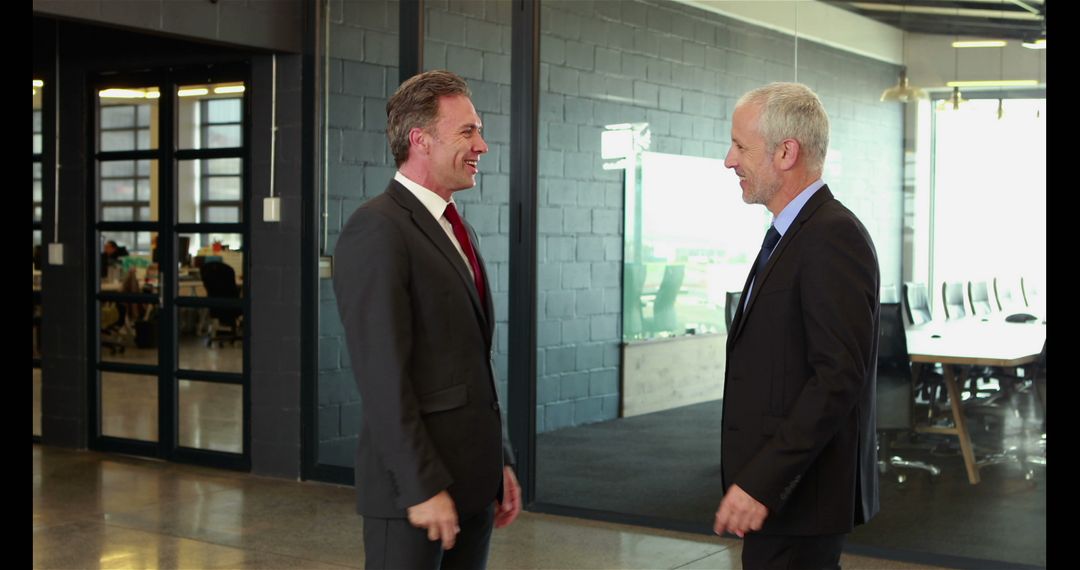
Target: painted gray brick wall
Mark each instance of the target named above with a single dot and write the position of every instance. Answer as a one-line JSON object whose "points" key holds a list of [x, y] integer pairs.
{"points": [[363, 73], [678, 68], [471, 38], [681, 70]]}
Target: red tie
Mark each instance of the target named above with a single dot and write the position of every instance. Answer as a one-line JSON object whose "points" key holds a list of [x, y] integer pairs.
{"points": [[462, 236]]}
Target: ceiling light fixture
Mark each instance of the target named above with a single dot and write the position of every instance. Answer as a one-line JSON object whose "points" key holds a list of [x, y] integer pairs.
{"points": [[994, 83], [980, 44], [953, 102], [902, 92]]}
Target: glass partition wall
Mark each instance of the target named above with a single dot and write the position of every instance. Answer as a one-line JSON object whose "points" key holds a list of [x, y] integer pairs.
{"points": [[641, 237], [470, 38], [642, 233], [39, 247]]}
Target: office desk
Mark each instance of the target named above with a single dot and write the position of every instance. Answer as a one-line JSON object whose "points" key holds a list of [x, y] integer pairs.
{"points": [[972, 342]]}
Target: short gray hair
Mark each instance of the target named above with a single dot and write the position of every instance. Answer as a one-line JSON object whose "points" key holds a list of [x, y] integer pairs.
{"points": [[792, 111]]}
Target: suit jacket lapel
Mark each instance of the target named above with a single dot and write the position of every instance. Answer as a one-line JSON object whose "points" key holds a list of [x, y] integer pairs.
{"points": [[434, 232], [820, 197], [489, 308]]}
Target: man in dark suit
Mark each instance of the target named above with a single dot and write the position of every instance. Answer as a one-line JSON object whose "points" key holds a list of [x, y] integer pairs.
{"points": [[798, 447], [433, 467]]}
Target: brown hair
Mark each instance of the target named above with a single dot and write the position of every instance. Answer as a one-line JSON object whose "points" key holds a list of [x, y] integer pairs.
{"points": [[416, 104]]}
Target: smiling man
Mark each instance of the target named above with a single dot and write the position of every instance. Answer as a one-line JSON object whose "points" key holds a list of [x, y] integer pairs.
{"points": [[799, 462], [434, 470]]}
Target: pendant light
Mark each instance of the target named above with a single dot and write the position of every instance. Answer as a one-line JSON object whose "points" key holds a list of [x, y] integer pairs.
{"points": [[902, 92], [955, 100]]}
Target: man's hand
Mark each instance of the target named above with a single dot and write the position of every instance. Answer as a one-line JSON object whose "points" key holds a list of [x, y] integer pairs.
{"points": [[439, 517], [739, 513], [508, 510]]}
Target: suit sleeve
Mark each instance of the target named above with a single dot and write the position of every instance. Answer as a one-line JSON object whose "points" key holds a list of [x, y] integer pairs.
{"points": [[371, 281], [838, 281]]}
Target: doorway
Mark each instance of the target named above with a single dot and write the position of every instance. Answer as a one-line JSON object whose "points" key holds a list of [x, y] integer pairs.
{"points": [[169, 172]]}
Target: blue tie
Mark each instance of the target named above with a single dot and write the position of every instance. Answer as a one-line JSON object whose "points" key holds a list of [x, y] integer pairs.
{"points": [[771, 237]]}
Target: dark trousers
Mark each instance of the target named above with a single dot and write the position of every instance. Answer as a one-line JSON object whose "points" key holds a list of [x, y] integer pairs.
{"points": [[394, 544], [792, 552]]}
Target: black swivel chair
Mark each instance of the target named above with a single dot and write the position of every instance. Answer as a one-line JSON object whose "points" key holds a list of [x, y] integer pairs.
{"points": [[219, 279], [979, 296], [952, 297], [732, 300], [895, 398], [917, 303]]}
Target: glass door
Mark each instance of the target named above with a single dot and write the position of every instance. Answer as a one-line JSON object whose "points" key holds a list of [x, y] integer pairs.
{"points": [[170, 169]]}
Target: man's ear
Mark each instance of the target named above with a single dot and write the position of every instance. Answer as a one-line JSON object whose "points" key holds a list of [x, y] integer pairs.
{"points": [[418, 139], [787, 154]]}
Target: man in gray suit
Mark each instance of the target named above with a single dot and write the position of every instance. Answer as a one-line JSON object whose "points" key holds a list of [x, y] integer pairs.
{"points": [[434, 471]]}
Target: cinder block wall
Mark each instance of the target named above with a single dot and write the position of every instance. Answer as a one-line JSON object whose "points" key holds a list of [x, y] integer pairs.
{"points": [[679, 68]]}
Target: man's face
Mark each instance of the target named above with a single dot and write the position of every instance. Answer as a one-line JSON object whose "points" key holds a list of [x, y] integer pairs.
{"points": [[456, 145], [750, 158]]}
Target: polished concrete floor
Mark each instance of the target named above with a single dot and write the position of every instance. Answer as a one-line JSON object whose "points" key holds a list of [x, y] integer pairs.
{"points": [[94, 510]]}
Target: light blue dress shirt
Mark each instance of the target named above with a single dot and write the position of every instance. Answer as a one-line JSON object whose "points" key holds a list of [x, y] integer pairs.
{"points": [[783, 221]]}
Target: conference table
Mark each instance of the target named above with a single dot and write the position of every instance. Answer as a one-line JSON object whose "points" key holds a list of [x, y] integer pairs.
{"points": [[972, 341]]}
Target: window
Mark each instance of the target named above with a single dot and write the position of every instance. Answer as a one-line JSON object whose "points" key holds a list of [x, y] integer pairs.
{"points": [[685, 260], [989, 221], [211, 123]]}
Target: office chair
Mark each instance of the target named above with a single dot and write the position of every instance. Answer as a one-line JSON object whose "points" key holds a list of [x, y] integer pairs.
{"points": [[113, 327], [895, 398], [952, 297], [979, 296], [633, 285], [664, 315], [889, 294], [219, 279], [731, 300], [1030, 289], [917, 303], [1009, 299]]}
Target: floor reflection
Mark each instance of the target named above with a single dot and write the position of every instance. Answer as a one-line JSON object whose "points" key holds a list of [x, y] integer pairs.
{"points": [[666, 466]]}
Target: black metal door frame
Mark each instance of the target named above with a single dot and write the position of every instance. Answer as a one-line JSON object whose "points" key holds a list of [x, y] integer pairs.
{"points": [[168, 229]]}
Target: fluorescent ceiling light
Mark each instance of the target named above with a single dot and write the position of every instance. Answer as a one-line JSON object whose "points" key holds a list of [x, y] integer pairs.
{"points": [[229, 89], [122, 94], [1037, 44], [193, 92], [995, 83], [39, 83], [980, 44]]}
